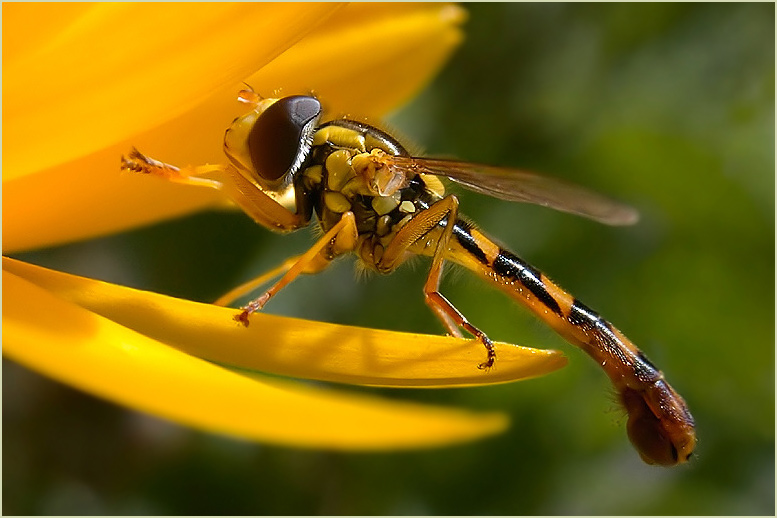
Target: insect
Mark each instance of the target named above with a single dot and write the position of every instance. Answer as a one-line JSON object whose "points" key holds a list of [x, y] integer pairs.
{"points": [[374, 199]]}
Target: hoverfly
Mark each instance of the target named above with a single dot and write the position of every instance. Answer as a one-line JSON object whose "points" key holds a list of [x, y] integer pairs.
{"points": [[372, 198]]}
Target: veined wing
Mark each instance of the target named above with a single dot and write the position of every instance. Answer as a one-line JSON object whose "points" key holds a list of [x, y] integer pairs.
{"points": [[523, 186]]}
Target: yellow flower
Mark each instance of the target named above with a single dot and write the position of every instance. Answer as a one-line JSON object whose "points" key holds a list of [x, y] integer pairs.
{"points": [[82, 83]]}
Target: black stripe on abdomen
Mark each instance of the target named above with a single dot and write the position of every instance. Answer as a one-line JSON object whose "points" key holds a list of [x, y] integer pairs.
{"points": [[511, 267], [601, 332], [461, 231], [597, 328]]}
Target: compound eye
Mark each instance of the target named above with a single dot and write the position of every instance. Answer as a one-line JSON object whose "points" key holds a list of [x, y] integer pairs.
{"points": [[280, 139]]}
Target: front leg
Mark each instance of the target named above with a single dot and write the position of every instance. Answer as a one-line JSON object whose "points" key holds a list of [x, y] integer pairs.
{"points": [[260, 206], [340, 239]]}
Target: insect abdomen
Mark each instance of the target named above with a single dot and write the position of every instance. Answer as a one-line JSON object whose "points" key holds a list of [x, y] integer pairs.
{"points": [[660, 425], [565, 314]]}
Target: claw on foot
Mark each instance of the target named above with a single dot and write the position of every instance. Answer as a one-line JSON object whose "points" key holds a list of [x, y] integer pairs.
{"points": [[134, 162], [242, 317], [490, 351], [481, 337], [137, 162], [252, 307]]}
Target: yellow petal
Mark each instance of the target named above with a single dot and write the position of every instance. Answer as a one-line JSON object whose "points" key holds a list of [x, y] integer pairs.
{"points": [[293, 347], [90, 352], [122, 68], [88, 196], [382, 55]]}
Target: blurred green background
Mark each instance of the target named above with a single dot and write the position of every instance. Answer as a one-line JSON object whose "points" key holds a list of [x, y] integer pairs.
{"points": [[669, 107]]}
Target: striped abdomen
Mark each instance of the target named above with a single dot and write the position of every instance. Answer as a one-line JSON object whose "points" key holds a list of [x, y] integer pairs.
{"points": [[659, 425]]}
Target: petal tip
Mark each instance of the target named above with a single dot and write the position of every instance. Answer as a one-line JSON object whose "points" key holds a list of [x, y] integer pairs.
{"points": [[453, 14]]}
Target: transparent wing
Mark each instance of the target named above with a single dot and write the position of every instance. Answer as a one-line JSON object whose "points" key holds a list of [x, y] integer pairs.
{"points": [[523, 186]]}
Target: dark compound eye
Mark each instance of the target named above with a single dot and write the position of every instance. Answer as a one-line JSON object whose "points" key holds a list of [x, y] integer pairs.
{"points": [[279, 138]]}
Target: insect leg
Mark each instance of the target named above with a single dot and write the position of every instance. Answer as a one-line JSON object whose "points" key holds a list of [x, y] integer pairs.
{"points": [[256, 282], [444, 212], [261, 207], [137, 162], [341, 238]]}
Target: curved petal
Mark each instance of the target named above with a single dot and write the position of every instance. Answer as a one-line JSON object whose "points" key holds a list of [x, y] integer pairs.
{"points": [[113, 65], [383, 55], [94, 354], [88, 196], [293, 347]]}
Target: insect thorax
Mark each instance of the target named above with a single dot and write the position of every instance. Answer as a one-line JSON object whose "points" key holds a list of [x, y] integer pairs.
{"points": [[349, 169]]}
